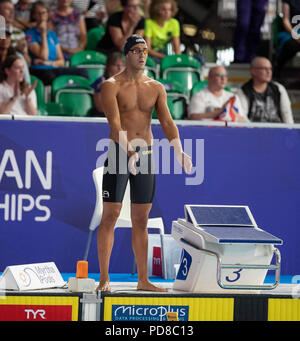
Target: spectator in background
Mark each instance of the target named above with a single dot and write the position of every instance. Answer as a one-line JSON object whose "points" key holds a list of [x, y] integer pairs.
{"points": [[114, 64], [94, 12], [18, 39], [263, 100], [216, 103], [50, 4], [6, 50], [121, 25], [288, 46], [45, 50], [250, 17], [16, 97], [69, 26], [22, 15], [162, 28], [44, 47]]}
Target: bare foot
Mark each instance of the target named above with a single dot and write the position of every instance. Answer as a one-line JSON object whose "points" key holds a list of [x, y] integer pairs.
{"points": [[148, 286], [103, 286]]}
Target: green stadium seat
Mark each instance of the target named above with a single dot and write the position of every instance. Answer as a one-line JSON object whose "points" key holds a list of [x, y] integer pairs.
{"points": [[57, 109], [74, 93], [176, 99], [40, 93], [183, 69], [151, 68], [94, 35], [93, 61]]}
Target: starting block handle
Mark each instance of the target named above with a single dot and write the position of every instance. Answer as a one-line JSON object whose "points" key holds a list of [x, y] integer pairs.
{"points": [[221, 266]]}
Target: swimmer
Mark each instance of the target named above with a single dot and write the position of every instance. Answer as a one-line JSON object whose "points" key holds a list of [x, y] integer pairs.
{"points": [[128, 100]]}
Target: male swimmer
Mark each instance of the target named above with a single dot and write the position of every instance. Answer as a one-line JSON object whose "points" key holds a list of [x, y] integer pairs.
{"points": [[128, 101]]}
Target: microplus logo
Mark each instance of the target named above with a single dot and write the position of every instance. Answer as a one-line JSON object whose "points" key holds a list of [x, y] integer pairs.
{"points": [[148, 312]]}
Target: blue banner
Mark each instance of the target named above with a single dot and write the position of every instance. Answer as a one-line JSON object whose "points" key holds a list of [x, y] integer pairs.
{"points": [[47, 194]]}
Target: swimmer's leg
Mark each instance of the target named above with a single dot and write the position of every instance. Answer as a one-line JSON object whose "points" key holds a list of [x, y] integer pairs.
{"points": [[139, 218], [105, 240]]}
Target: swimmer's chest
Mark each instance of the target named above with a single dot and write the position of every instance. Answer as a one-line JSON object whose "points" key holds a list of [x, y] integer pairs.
{"points": [[137, 97]]}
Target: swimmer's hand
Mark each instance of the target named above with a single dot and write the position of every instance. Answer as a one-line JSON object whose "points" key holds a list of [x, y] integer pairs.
{"points": [[185, 162], [133, 159]]}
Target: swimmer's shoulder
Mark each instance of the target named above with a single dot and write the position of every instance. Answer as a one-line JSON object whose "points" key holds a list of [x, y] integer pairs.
{"points": [[111, 83], [154, 83]]}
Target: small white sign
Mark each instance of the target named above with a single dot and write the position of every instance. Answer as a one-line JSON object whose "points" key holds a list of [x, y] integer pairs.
{"points": [[31, 277]]}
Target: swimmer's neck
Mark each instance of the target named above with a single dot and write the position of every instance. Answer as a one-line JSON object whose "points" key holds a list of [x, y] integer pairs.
{"points": [[133, 75]]}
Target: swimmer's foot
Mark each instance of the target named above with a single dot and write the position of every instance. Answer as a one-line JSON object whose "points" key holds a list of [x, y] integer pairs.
{"points": [[148, 286], [103, 286]]}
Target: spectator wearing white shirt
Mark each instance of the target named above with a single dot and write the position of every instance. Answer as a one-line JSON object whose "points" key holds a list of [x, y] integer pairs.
{"points": [[216, 103], [16, 97], [262, 99]]}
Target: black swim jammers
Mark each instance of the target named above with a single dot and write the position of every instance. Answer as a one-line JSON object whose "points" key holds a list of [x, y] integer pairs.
{"points": [[116, 175]]}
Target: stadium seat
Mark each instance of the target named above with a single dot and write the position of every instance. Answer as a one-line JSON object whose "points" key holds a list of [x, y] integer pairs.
{"points": [[57, 109], [39, 90], [94, 35], [176, 99], [74, 93], [277, 27], [151, 68], [184, 69], [93, 61]]}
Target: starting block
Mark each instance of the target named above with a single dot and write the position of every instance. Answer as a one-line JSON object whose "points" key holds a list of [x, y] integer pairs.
{"points": [[223, 248]]}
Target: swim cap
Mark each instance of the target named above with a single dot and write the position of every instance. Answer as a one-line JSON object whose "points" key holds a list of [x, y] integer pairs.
{"points": [[131, 41]]}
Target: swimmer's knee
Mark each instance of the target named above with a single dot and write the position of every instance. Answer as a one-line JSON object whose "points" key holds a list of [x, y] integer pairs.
{"points": [[111, 213], [139, 216]]}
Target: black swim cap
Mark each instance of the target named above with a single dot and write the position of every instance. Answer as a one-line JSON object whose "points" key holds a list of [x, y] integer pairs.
{"points": [[131, 41]]}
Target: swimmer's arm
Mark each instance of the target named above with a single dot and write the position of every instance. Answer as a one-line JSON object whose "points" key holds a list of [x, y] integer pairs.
{"points": [[167, 123], [112, 113], [170, 129]]}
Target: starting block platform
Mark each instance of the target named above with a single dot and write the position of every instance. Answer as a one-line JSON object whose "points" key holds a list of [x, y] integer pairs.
{"points": [[223, 248]]}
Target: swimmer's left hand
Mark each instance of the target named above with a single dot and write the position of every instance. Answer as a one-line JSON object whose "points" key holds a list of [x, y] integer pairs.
{"points": [[134, 158]]}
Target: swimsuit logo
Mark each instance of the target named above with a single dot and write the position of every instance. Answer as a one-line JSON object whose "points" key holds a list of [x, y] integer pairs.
{"points": [[105, 194]]}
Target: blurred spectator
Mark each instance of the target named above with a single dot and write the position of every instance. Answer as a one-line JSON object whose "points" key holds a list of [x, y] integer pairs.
{"points": [[50, 4], [69, 26], [216, 103], [288, 46], [18, 39], [250, 17], [114, 64], [45, 50], [44, 46], [22, 15], [94, 12], [263, 100], [121, 25], [162, 28], [112, 6], [6, 50], [16, 97]]}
